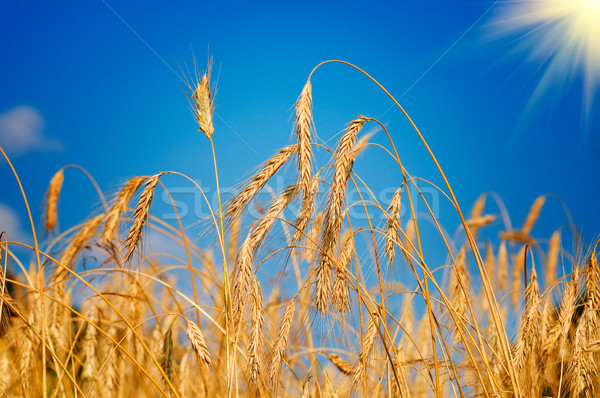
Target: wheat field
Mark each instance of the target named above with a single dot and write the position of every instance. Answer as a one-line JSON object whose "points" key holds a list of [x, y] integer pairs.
{"points": [[309, 304]]}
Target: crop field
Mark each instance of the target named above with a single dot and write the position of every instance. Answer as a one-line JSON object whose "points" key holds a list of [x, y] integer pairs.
{"points": [[315, 302]]}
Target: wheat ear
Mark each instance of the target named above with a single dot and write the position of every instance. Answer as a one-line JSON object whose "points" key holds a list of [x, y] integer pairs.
{"points": [[90, 343], [368, 343], [251, 243], [306, 210], [552, 262], [256, 336], [459, 283], [528, 345], [392, 237], [141, 214], [518, 264], [167, 356], [196, 338], [333, 220], [337, 361], [340, 294], [52, 201], [111, 225], [303, 134], [502, 266], [80, 240], [203, 104], [534, 213], [258, 181], [285, 327]]}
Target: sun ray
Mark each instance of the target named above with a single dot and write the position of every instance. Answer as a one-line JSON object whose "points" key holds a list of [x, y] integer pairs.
{"points": [[561, 35]]}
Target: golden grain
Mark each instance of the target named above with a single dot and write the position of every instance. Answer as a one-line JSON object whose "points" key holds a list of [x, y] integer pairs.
{"points": [[141, 214], [111, 225], [52, 199]]}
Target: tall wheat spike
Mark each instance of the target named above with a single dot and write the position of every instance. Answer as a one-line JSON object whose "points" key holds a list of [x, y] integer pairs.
{"points": [[303, 134], [203, 103]]}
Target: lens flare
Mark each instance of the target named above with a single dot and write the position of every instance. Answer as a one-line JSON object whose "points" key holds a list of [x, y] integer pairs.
{"points": [[562, 35]]}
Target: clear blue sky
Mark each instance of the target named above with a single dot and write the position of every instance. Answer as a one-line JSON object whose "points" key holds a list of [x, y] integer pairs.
{"points": [[97, 93]]}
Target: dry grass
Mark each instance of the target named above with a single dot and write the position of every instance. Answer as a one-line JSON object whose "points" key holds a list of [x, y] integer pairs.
{"points": [[311, 304]]}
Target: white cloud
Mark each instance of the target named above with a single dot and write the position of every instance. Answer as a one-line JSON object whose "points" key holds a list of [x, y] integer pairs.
{"points": [[22, 131], [10, 222]]}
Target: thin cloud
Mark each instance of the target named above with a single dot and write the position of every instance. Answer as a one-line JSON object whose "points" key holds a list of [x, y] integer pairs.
{"points": [[22, 131], [10, 222]]}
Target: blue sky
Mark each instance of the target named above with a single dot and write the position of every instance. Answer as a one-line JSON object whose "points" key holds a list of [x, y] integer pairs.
{"points": [[98, 84]]}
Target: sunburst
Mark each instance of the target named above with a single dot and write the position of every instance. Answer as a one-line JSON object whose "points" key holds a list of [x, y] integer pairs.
{"points": [[563, 36]]}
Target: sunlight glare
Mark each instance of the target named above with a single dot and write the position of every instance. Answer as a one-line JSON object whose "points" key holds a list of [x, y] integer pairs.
{"points": [[563, 34]]}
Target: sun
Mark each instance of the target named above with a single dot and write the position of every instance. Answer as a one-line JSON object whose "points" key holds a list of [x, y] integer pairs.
{"points": [[563, 36]]}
